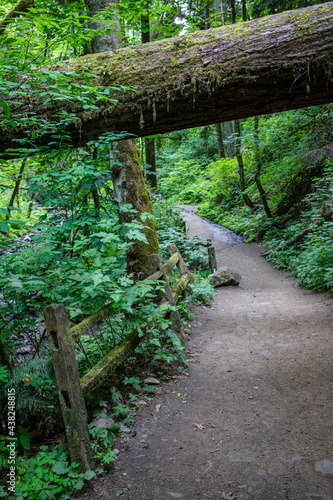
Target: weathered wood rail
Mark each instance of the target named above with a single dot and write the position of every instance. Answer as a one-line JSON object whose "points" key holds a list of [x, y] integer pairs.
{"points": [[73, 389]]}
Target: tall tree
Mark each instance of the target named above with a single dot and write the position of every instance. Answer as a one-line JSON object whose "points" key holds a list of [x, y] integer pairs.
{"points": [[240, 161], [258, 168], [149, 141], [127, 174]]}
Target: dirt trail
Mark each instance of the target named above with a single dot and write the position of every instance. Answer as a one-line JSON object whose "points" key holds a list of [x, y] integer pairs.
{"points": [[259, 388]]}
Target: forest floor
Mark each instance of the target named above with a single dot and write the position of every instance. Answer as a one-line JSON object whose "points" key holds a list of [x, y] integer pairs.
{"points": [[253, 416]]}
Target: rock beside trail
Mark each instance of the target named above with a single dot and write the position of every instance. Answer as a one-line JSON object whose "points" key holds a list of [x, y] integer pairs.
{"points": [[224, 277], [324, 466]]}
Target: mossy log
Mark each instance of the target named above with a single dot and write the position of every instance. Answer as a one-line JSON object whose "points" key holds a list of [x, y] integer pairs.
{"points": [[182, 267], [170, 264], [89, 322], [19, 7], [181, 285], [112, 360], [267, 65]]}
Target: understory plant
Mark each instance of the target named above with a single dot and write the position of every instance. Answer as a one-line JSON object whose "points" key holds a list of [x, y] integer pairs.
{"points": [[47, 475]]}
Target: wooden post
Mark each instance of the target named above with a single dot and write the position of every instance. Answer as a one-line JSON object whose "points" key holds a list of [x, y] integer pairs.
{"points": [[212, 258], [182, 267], [68, 381], [167, 296]]}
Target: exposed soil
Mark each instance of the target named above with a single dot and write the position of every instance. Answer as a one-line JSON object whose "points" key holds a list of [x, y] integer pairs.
{"points": [[253, 416]]}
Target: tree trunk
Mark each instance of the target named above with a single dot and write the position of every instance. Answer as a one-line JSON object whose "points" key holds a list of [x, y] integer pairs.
{"points": [[262, 66], [129, 187], [151, 162], [145, 26], [258, 170], [230, 139], [220, 145], [109, 41], [246, 198], [233, 11], [244, 10], [16, 187], [128, 180], [149, 143]]}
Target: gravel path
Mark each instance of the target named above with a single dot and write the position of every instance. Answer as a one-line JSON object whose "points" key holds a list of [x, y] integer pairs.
{"points": [[252, 419]]}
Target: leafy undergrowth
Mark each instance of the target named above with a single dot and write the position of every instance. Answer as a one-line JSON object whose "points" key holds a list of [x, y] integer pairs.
{"points": [[293, 163], [55, 271]]}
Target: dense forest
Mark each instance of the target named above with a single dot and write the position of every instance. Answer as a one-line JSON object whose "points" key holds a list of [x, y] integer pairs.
{"points": [[81, 218]]}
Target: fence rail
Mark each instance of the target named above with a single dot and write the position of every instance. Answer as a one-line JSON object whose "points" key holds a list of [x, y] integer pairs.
{"points": [[72, 389]]}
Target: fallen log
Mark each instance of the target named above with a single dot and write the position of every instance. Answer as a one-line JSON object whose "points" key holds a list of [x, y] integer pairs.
{"points": [[267, 65]]}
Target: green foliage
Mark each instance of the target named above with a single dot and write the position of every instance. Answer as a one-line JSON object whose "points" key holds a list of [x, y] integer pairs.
{"points": [[4, 374], [123, 413], [48, 475], [103, 441], [292, 149], [170, 229], [35, 393]]}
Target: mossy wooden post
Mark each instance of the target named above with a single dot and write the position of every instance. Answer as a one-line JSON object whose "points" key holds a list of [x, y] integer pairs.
{"points": [[156, 264], [68, 381], [182, 267], [212, 259]]}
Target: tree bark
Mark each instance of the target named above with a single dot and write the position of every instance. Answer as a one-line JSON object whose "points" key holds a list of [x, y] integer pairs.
{"points": [[127, 175], [246, 198], [16, 187], [263, 66], [220, 145], [149, 142], [258, 169]]}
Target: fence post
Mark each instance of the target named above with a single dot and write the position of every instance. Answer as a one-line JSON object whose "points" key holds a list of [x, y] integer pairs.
{"points": [[212, 259], [68, 381], [176, 322], [182, 267]]}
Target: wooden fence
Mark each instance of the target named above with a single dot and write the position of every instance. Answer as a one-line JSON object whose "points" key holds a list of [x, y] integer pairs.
{"points": [[73, 389]]}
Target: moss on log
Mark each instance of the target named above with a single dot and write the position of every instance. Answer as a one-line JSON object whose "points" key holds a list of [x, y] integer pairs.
{"points": [[181, 285], [262, 66], [89, 322], [112, 360], [19, 7], [170, 264]]}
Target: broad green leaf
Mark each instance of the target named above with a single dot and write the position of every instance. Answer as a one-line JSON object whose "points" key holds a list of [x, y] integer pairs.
{"points": [[89, 474], [17, 222], [24, 437], [5, 107], [60, 468]]}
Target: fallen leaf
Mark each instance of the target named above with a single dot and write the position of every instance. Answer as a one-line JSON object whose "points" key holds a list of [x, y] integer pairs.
{"points": [[199, 426]]}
